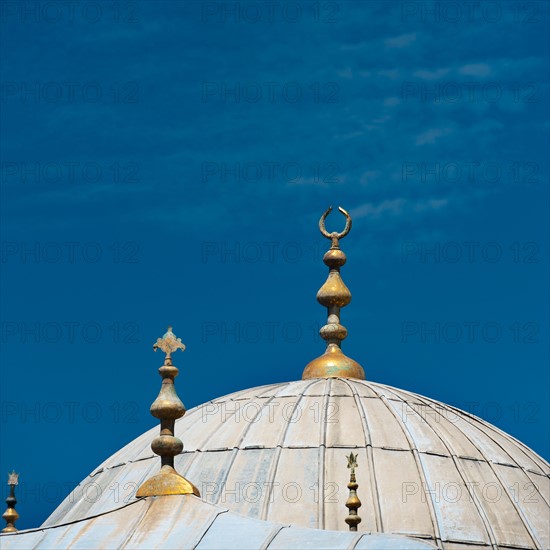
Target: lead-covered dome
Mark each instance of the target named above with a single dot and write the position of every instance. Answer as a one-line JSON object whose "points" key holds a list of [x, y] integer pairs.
{"points": [[278, 453]]}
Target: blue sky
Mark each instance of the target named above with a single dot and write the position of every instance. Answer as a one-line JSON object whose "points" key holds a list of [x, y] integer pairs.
{"points": [[168, 163]]}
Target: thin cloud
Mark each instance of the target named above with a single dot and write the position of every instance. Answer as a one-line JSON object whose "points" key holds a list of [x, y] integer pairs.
{"points": [[430, 136], [475, 69], [401, 41], [399, 208]]}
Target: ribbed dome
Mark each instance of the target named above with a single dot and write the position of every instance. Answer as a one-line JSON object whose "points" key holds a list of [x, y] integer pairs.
{"points": [[277, 453]]}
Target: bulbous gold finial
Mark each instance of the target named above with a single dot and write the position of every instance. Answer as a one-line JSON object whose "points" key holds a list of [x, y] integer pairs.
{"points": [[353, 503], [334, 294], [10, 515], [167, 407]]}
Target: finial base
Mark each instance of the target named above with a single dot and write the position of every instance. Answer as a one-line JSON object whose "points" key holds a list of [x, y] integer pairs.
{"points": [[333, 364], [167, 482]]}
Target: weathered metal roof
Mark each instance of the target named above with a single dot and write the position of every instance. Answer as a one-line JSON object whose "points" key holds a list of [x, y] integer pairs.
{"points": [[185, 521], [277, 454]]}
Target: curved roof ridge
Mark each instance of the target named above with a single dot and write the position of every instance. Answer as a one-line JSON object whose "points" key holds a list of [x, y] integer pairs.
{"points": [[195, 524]]}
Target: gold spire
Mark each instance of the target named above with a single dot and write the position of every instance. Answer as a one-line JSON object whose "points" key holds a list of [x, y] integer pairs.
{"points": [[167, 407], [334, 294], [10, 515], [353, 502]]}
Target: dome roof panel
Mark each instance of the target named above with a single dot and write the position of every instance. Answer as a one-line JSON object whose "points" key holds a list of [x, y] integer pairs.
{"points": [[530, 491], [499, 446], [398, 515], [295, 389], [240, 491], [419, 431], [267, 429], [306, 422], [296, 473], [448, 488], [361, 388], [209, 471], [341, 432], [233, 420], [340, 387], [542, 484], [384, 427], [503, 519], [445, 427]]}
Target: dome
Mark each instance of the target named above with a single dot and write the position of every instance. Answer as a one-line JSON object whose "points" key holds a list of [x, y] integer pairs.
{"points": [[265, 467], [277, 453]]}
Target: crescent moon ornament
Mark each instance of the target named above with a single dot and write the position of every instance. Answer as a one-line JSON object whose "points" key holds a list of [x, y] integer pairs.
{"points": [[334, 234]]}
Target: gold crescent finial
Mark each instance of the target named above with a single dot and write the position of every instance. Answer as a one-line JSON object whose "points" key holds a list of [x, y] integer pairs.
{"points": [[334, 234], [334, 295]]}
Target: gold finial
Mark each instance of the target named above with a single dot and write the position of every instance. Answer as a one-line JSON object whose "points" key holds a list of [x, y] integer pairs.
{"points": [[167, 407], [169, 344], [10, 515], [353, 503], [334, 294]]}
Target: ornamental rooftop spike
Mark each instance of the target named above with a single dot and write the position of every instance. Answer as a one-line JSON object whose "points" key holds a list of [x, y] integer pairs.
{"points": [[167, 407], [10, 515], [334, 294], [353, 503]]}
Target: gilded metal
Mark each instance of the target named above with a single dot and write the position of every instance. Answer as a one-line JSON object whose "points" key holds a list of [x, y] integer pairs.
{"points": [[169, 343], [334, 234], [10, 515], [353, 503], [334, 294], [167, 407]]}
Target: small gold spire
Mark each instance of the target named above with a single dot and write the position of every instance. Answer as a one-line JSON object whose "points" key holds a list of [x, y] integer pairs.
{"points": [[353, 503], [334, 294], [167, 407], [10, 515]]}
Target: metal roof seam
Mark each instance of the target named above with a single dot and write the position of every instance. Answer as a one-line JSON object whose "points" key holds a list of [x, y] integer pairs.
{"points": [[462, 473], [419, 466]]}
